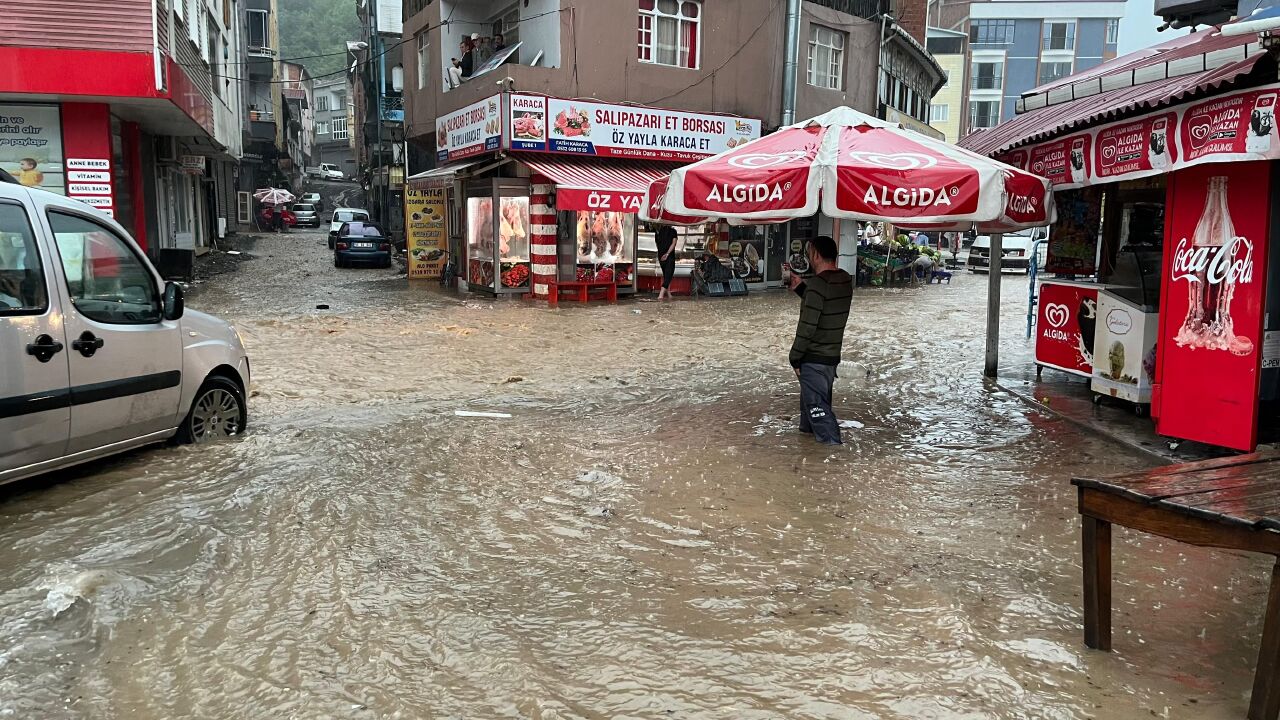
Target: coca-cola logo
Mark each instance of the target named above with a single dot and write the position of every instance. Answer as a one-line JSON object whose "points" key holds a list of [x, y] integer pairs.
{"points": [[1057, 314], [1119, 322], [1214, 264], [754, 161], [894, 161]]}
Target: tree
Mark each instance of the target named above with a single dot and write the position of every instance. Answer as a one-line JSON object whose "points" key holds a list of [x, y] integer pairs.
{"points": [[314, 33]]}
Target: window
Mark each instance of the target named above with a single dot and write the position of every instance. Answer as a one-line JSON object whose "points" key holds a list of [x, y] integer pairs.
{"points": [[991, 32], [215, 69], [1050, 71], [339, 101], [506, 24], [322, 101], [207, 37], [258, 36], [107, 280], [195, 19], [339, 128], [322, 127], [22, 286], [1059, 36], [1113, 31], [987, 76], [826, 57], [180, 9], [669, 32], [984, 114], [421, 42], [939, 113]]}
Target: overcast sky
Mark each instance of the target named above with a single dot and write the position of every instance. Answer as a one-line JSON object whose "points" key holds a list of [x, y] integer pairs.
{"points": [[1138, 28]]}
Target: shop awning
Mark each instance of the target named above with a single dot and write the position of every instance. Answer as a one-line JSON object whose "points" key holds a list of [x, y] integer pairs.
{"points": [[597, 184], [1087, 109], [444, 176]]}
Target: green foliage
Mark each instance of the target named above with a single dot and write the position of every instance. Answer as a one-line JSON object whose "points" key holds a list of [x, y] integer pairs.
{"points": [[310, 28]]}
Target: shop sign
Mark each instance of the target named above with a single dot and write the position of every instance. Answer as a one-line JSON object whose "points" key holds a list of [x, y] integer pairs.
{"points": [[614, 200], [192, 164], [604, 130], [475, 129], [426, 230], [1065, 323], [1212, 304], [1234, 127], [31, 145]]}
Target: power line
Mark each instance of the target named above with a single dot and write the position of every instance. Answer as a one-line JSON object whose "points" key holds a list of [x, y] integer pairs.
{"points": [[768, 16]]}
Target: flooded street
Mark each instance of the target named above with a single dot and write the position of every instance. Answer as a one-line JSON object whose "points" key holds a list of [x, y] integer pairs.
{"points": [[648, 536]]}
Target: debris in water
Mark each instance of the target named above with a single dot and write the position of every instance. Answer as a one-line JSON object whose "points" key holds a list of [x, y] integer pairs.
{"points": [[476, 414], [322, 306], [513, 379], [233, 252]]}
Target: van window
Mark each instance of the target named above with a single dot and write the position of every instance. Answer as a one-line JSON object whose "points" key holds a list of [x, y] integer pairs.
{"points": [[107, 281], [22, 286]]}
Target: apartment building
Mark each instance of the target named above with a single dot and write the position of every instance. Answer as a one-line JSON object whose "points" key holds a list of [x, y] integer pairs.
{"points": [[131, 106], [950, 49], [1018, 45], [333, 136]]}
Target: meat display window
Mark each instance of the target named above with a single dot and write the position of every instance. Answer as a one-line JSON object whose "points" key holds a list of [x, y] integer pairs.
{"points": [[498, 236], [598, 245]]}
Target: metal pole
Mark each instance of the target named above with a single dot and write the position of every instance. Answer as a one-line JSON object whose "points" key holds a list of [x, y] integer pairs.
{"points": [[993, 306], [375, 44], [790, 65]]}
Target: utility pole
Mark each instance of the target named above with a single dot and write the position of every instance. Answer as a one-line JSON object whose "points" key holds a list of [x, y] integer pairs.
{"points": [[375, 43]]}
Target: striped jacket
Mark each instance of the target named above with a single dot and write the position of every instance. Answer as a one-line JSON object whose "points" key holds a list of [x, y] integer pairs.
{"points": [[823, 315]]}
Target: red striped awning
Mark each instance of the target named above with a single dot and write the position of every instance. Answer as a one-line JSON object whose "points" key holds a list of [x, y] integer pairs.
{"points": [[597, 184]]}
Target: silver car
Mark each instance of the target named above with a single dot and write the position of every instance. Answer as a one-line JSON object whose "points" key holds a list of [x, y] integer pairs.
{"points": [[307, 215], [97, 353]]}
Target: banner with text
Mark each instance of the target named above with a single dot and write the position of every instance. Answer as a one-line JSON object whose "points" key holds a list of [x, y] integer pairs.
{"points": [[31, 145], [475, 129], [1236, 127], [426, 230], [546, 124]]}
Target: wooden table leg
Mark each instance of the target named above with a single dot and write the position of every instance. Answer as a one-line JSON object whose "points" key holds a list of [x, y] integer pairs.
{"points": [[1096, 544], [1265, 702]]}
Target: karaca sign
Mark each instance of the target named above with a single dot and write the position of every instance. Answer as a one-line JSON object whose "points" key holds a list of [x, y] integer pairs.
{"points": [[546, 124], [1236, 127], [1212, 303]]}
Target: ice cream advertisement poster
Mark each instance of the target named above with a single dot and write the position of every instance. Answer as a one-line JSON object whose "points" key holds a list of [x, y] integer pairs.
{"points": [[426, 231], [1232, 127], [605, 130], [31, 145]]}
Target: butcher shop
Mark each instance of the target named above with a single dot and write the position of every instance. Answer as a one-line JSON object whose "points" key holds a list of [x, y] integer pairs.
{"points": [[1157, 293], [543, 196]]}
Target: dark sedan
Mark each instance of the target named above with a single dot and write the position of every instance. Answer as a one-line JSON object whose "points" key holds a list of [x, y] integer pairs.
{"points": [[361, 243], [308, 215]]}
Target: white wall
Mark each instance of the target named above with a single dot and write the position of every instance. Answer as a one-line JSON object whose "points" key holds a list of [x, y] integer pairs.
{"points": [[540, 33]]}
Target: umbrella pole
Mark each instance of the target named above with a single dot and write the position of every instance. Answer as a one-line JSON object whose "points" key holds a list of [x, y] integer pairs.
{"points": [[993, 305]]}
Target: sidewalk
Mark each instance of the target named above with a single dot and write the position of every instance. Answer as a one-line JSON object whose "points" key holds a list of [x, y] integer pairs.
{"points": [[1069, 397]]}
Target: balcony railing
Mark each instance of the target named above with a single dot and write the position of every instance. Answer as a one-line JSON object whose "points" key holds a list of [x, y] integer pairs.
{"points": [[986, 82], [262, 116], [257, 51]]}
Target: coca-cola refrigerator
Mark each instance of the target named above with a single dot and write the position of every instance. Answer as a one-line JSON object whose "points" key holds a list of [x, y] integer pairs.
{"points": [[1212, 344]]}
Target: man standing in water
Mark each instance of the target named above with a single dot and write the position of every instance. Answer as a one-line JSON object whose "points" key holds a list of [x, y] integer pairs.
{"points": [[819, 336]]}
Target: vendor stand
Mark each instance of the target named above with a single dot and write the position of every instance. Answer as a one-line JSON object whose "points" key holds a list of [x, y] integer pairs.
{"points": [[1182, 171]]}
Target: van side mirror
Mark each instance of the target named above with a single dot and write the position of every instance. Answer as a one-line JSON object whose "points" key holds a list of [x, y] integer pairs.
{"points": [[173, 301]]}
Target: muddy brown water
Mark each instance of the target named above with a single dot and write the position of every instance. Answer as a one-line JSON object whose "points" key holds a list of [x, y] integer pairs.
{"points": [[647, 537]]}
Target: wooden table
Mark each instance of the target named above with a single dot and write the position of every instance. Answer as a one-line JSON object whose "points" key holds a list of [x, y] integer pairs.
{"points": [[1231, 503]]}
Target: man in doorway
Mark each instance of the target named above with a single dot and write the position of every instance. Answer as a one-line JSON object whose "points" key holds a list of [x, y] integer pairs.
{"points": [[815, 353]]}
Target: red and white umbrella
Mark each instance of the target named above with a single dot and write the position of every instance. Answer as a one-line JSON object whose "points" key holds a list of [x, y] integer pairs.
{"points": [[273, 196], [854, 166]]}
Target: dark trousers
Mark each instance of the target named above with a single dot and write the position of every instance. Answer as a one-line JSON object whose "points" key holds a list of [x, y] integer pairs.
{"points": [[816, 415], [668, 271]]}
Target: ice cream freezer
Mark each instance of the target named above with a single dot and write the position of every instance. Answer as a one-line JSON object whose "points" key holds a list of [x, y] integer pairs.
{"points": [[1125, 348]]}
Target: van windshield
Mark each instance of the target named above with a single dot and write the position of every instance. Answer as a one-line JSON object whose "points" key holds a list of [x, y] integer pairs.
{"points": [[349, 216]]}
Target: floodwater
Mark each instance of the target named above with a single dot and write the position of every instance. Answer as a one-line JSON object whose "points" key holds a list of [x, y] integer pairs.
{"points": [[646, 537]]}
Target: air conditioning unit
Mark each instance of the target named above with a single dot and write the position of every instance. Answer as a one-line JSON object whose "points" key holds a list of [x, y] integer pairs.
{"points": [[167, 149]]}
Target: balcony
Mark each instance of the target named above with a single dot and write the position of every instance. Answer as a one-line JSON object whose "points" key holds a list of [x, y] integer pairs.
{"points": [[262, 125], [986, 82], [393, 109]]}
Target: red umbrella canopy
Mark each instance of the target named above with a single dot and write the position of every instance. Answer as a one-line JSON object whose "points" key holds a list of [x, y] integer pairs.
{"points": [[854, 166]]}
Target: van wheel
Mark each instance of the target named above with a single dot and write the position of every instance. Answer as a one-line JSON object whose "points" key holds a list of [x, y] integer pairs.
{"points": [[219, 411]]}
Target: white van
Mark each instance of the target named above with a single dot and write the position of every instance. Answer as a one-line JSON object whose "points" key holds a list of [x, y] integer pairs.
{"points": [[329, 171], [1016, 252], [97, 354]]}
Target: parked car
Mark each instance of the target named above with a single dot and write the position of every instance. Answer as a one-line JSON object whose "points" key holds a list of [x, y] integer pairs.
{"points": [[329, 171], [306, 215], [99, 355], [313, 198], [1016, 252], [344, 215], [363, 243]]}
